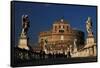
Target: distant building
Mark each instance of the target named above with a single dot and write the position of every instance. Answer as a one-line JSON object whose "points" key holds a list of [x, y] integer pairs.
{"points": [[61, 37]]}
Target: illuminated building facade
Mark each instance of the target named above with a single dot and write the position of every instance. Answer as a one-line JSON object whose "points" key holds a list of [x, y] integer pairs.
{"points": [[61, 37]]}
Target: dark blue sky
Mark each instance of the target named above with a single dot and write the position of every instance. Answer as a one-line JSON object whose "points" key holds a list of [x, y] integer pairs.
{"points": [[43, 15]]}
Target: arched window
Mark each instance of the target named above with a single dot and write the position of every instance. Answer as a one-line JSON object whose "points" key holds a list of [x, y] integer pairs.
{"points": [[55, 28], [59, 26], [63, 27], [67, 28]]}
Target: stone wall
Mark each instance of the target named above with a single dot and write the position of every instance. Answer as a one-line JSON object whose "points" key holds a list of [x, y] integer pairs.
{"points": [[86, 52]]}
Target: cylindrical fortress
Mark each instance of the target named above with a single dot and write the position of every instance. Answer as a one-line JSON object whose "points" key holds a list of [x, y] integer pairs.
{"points": [[62, 34]]}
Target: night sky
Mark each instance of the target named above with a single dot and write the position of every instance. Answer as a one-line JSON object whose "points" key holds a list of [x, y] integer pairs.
{"points": [[43, 15]]}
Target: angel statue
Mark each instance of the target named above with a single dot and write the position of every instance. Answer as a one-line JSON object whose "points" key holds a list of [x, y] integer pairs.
{"points": [[75, 45], [75, 41], [89, 25], [25, 24]]}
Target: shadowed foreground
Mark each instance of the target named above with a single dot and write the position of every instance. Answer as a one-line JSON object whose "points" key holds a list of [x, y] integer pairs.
{"points": [[52, 61], [36, 59]]}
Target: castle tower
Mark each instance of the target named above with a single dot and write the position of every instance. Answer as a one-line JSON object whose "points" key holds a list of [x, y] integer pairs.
{"points": [[61, 26]]}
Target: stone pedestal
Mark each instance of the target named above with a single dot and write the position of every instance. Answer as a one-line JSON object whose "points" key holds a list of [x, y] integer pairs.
{"points": [[90, 39], [23, 42], [91, 45]]}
